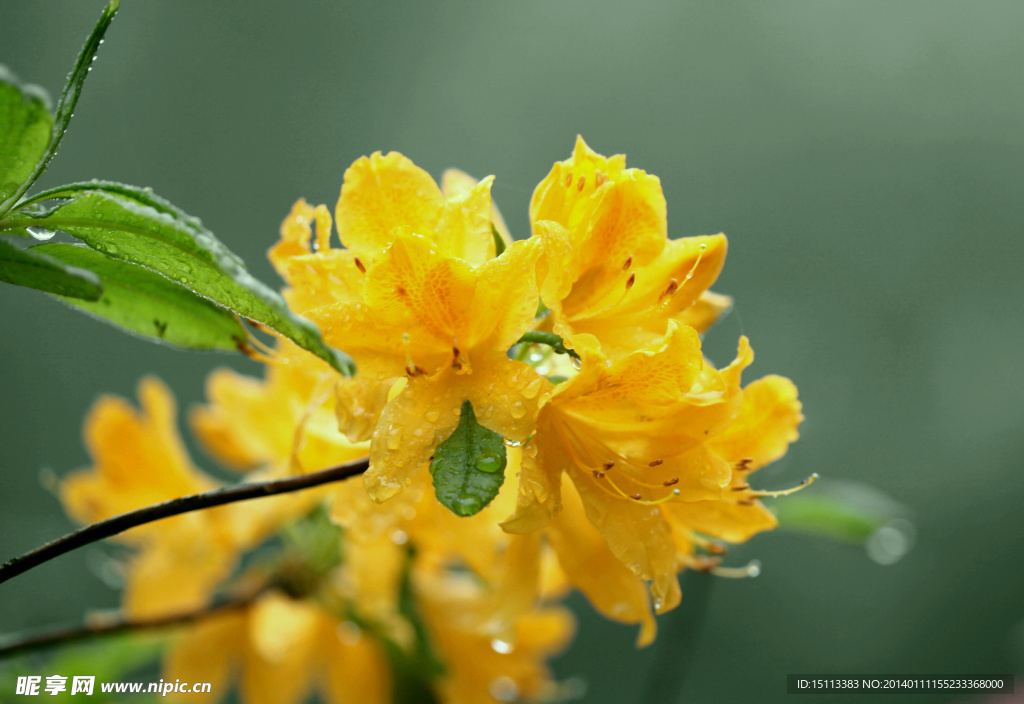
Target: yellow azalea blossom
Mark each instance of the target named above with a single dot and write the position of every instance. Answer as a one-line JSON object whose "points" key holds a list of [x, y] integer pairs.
{"points": [[282, 650], [416, 294], [139, 459], [285, 423], [625, 279], [478, 668], [653, 443]]}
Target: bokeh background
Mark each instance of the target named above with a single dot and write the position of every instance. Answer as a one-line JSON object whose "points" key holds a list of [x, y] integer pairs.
{"points": [[866, 160]]}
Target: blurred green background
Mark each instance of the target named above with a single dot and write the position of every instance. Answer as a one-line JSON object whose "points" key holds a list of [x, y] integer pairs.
{"points": [[866, 160]]}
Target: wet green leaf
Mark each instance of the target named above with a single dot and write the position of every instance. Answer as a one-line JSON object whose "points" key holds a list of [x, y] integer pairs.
{"points": [[32, 269], [133, 225], [25, 127], [148, 304], [469, 467], [65, 110]]}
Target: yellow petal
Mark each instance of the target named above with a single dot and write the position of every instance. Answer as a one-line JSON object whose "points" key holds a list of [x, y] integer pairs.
{"points": [[282, 636], [237, 426], [538, 492], [139, 458], [296, 231], [359, 401], [316, 280], [414, 287], [505, 300], [725, 520], [413, 423], [357, 673], [179, 573], [766, 425], [637, 535], [705, 311], [588, 562], [381, 193], [464, 230], [455, 183], [206, 652]]}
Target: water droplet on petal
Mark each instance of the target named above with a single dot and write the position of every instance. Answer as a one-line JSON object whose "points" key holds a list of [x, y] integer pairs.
{"points": [[504, 689], [501, 646]]}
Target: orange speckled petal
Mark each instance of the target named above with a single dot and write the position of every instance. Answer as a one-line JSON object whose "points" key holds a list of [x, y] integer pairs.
{"points": [[415, 287], [381, 193]]}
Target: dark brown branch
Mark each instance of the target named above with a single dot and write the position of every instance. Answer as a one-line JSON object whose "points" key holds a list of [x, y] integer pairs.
{"points": [[185, 504], [118, 624]]}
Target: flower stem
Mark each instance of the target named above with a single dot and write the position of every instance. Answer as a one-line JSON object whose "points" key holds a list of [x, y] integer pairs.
{"points": [[174, 507], [117, 624], [556, 343]]}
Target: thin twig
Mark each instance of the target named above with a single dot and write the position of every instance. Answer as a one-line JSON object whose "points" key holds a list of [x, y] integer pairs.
{"points": [[118, 624], [185, 504]]}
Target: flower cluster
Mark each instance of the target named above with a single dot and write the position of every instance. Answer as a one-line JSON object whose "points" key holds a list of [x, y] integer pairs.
{"points": [[628, 453]]}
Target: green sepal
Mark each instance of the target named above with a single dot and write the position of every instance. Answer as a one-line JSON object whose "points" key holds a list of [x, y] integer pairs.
{"points": [[33, 269], [499, 241], [143, 302], [469, 467], [134, 225]]}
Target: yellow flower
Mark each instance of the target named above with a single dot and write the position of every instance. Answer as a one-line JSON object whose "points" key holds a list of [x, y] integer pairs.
{"points": [[282, 649], [417, 294], [285, 423], [652, 442], [478, 668], [624, 279], [140, 460]]}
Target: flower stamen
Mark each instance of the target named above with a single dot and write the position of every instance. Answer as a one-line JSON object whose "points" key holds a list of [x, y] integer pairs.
{"points": [[786, 492]]}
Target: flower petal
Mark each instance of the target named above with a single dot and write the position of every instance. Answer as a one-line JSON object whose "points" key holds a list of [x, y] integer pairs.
{"points": [[456, 183], [464, 230], [381, 193], [589, 564], [766, 425]]}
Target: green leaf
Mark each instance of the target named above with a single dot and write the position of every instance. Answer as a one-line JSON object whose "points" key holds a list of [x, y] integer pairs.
{"points": [[133, 225], [110, 658], [146, 303], [468, 467], [66, 104], [25, 127], [844, 511], [26, 267]]}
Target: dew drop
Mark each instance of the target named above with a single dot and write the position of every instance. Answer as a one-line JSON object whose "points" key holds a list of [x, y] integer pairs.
{"points": [[432, 416], [504, 689], [502, 646], [488, 463], [518, 410], [349, 633], [40, 233]]}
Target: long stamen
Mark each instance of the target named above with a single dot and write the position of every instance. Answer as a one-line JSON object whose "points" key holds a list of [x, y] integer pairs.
{"points": [[753, 569], [674, 285], [785, 492]]}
